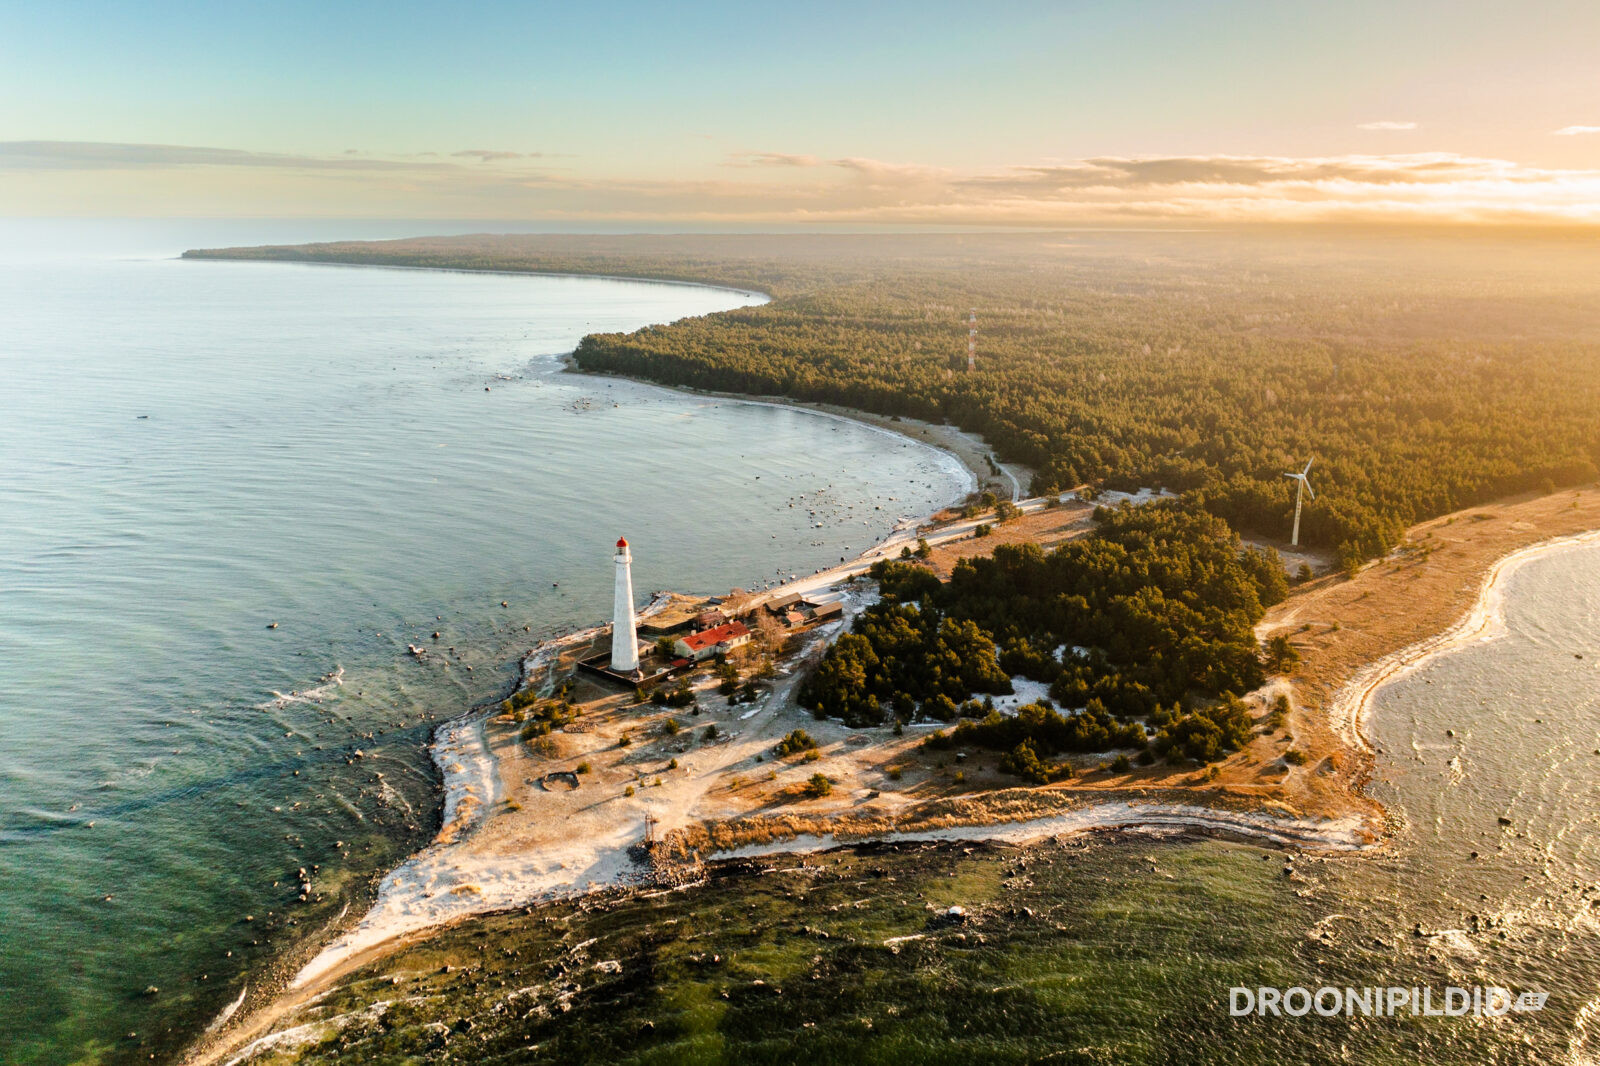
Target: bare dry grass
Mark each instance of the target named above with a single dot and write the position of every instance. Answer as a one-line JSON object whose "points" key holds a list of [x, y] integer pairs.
{"points": [[1048, 528], [1341, 625]]}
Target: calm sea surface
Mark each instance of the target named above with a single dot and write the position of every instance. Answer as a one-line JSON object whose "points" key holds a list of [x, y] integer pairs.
{"points": [[193, 451], [1489, 756], [320, 452], [1504, 729]]}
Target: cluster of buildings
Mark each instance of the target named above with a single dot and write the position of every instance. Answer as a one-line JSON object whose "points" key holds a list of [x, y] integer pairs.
{"points": [[708, 633], [795, 611]]}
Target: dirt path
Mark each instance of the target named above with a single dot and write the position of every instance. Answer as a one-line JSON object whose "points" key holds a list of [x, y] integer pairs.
{"points": [[537, 842]]}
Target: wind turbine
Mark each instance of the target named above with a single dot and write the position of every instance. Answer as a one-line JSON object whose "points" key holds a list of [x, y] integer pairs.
{"points": [[1303, 486]]}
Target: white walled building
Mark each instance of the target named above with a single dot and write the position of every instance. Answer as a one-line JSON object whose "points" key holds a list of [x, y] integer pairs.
{"points": [[709, 642]]}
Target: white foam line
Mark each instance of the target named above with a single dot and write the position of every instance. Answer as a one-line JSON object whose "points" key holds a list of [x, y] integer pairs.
{"points": [[1340, 834], [432, 886], [228, 1012], [1351, 709], [331, 682]]}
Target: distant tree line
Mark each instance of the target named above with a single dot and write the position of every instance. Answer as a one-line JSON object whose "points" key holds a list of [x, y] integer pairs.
{"points": [[1424, 373], [1125, 380]]}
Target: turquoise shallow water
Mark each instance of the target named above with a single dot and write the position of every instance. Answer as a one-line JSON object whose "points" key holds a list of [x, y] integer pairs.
{"points": [[320, 452], [1117, 949], [194, 450]]}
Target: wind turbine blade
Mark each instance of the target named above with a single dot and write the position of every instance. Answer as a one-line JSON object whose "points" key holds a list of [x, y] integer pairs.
{"points": [[1292, 475], [1307, 470], [1309, 490]]}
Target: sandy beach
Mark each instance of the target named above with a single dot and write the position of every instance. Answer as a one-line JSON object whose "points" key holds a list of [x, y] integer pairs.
{"points": [[712, 789], [1350, 710], [1354, 636]]}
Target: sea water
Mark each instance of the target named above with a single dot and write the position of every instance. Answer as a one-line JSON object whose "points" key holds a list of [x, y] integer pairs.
{"points": [[140, 560], [233, 494], [1125, 948], [1487, 759]]}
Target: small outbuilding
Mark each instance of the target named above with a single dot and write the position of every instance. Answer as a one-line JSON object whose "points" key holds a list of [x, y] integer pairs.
{"points": [[781, 605], [827, 612], [709, 619]]}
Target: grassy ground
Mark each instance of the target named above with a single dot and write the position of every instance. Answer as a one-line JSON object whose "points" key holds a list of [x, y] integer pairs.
{"points": [[1080, 952]]}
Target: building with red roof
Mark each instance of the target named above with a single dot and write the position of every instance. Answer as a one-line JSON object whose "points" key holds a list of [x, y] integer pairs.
{"points": [[708, 642]]}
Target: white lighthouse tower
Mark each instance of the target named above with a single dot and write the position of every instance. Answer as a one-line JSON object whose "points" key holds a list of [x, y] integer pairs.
{"points": [[624, 635]]}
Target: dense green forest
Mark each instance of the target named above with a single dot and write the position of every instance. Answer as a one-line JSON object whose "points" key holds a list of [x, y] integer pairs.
{"points": [[1149, 620], [1424, 372]]}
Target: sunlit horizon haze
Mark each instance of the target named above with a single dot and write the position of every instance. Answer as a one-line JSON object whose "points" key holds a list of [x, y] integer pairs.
{"points": [[925, 115]]}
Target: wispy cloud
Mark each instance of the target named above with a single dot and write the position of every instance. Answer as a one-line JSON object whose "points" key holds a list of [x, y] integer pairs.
{"points": [[876, 170], [1419, 187], [1386, 124], [96, 155], [771, 159], [76, 177], [1574, 131], [1414, 188], [483, 155], [869, 169], [1198, 173]]}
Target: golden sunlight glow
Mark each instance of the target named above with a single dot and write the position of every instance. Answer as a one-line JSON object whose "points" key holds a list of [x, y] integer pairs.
{"points": [[60, 177]]}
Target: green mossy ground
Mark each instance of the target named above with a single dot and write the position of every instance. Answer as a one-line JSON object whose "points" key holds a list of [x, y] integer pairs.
{"points": [[1083, 952]]}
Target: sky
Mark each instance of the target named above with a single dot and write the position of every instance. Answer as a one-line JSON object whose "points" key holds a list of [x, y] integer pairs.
{"points": [[905, 114]]}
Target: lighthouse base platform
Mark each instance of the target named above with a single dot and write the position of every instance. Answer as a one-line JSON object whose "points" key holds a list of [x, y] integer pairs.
{"points": [[653, 669]]}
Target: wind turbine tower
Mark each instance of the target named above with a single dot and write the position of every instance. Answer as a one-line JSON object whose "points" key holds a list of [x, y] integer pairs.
{"points": [[972, 340], [1302, 486]]}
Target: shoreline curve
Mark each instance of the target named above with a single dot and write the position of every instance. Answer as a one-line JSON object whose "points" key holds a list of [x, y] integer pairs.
{"points": [[197, 255], [1352, 706]]}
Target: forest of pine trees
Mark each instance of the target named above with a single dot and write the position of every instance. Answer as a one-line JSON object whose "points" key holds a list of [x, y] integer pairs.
{"points": [[1424, 372], [1144, 632]]}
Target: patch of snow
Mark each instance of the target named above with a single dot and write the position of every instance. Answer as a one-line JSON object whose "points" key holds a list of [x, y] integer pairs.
{"points": [[1026, 692], [1111, 498]]}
